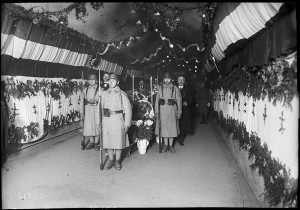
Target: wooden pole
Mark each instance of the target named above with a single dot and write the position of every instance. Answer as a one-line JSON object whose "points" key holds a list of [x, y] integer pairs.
{"points": [[151, 90], [133, 88]]}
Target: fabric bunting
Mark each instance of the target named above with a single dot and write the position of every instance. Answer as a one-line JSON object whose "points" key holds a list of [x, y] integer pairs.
{"points": [[246, 20]]}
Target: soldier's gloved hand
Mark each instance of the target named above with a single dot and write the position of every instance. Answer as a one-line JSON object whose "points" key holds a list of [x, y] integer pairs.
{"points": [[126, 128], [197, 105], [184, 104], [178, 116], [208, 104]]}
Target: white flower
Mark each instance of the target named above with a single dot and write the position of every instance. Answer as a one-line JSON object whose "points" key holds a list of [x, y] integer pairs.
{"points": [[139, 122], [148, 122], [151, 114]]}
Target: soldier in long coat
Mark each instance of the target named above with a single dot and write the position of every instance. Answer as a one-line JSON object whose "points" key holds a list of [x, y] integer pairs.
{"points": [[116, 120], [89, 111], [203, 98], [185, 120], [169, 100]]}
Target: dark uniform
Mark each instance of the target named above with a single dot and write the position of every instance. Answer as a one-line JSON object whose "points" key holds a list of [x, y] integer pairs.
{"points": [[185, 120], [203, 98]]}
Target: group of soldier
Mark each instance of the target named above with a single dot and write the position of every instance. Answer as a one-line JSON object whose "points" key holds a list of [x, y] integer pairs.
{"points": [[173, 106]]}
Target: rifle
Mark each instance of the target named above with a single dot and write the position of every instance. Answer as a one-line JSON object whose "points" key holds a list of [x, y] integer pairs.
{"points": [[82, 121], [100, 128], [159, 124]]}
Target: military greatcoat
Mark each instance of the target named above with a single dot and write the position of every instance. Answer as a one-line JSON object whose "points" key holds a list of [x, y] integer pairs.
{"points": [[113, 134], [168, 113], [90, 110]]}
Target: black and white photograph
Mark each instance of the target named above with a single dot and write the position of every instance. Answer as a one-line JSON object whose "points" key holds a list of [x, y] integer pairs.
{"points": [[149, 105]]}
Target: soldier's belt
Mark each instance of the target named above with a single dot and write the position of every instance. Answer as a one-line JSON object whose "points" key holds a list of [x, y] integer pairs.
{"points": [[168, 102], [92, 103], [107, 112], [202, 98]]}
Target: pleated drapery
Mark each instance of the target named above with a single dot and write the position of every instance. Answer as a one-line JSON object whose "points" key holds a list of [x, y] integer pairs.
{"points": [[282, 143]]}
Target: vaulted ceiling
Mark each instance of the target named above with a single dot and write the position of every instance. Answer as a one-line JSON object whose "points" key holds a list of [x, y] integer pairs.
{"points": [[144, 36]]}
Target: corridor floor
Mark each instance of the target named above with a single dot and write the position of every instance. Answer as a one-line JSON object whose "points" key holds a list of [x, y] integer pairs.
{"points": [[58, 174]]}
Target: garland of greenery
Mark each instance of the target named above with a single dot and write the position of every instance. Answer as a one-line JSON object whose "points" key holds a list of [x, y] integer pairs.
{"points": [[16, 134], [280, 188], [276, 80], [20, 90]]}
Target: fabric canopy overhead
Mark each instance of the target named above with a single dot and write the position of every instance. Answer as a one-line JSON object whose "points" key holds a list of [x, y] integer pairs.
{"points": [[243, 29]]}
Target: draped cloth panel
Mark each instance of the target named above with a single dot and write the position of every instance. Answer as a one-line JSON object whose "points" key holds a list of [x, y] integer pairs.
{"points": [[278, 40], [282, 143], [242, 23], [109, 67], [26, 111]]}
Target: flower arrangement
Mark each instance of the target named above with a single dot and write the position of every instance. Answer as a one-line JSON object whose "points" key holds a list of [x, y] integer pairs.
{"points": [[143, 120]]}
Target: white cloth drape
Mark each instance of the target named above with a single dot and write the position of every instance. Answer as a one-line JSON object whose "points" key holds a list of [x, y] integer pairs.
{"points": [[25, 106], [283, 144]]}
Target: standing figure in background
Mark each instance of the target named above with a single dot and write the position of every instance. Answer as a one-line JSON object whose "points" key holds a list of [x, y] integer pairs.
{"points": [[170, 102], [203, 98], [105, 84], [142, 91], [117, 114], [89, 112], [187, 98]]}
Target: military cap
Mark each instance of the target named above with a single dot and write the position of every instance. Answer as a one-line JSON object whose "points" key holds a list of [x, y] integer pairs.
{"points": [[114, 76], [167, 75], [93, 76]]}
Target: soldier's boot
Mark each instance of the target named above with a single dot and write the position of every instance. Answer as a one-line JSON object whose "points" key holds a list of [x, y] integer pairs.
{"points": [[96, 147], [165, 148], [90, 146], [118, 165], [172, 149], [110, 164]]}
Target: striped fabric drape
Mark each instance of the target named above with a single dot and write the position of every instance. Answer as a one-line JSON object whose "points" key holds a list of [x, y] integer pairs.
{"points": [[23, 42], [243, 22], [109, 67], [135, 73]]}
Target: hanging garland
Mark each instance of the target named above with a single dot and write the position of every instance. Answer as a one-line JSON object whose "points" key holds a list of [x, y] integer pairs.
{"points": [[20, 90], [22, 134], [276, 80], [280, 188]]}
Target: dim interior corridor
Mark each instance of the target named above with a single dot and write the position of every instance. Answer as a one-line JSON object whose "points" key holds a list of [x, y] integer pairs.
{"points": [[58, 174]]}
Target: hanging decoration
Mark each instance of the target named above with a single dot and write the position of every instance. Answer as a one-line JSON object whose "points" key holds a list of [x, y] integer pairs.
{"points": [[276, 79], [22, 90], [280, 188]]}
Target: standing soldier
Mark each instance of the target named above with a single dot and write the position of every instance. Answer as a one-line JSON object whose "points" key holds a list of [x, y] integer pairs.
{"points": [[203, 98], [169, 100], [89, 111], [187, 98], [105, 84], [116, 121]]}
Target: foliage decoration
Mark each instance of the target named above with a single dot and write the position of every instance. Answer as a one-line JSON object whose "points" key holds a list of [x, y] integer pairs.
{"points": [[22, 134], [280, 188], [142, 121], [20, 90], [276, 80]]}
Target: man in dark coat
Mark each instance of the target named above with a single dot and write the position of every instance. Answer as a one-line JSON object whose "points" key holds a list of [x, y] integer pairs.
{"points": [[203, 98], [105, 84], [185, 120]]}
